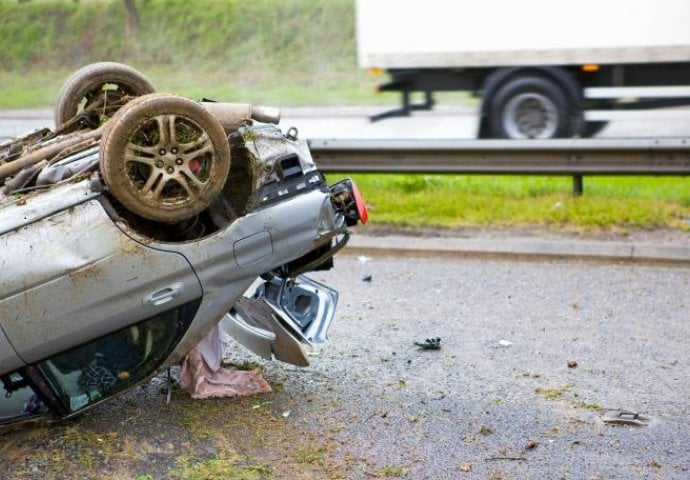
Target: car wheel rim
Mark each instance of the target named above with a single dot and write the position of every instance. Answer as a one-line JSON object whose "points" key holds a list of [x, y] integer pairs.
{"points": [[168, 161], [530, 115]]}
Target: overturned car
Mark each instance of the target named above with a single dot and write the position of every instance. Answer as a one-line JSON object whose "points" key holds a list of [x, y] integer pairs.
{"points": [[137, 225]]}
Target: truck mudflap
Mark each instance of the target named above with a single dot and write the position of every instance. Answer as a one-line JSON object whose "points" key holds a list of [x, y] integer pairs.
{"points": [[283, 319]]}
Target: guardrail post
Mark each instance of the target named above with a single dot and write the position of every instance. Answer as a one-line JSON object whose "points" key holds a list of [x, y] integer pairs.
{"points": [[578, 186]]}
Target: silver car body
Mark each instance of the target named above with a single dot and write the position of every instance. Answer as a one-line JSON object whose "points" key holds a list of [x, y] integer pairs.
{"points": [[74, 270]]}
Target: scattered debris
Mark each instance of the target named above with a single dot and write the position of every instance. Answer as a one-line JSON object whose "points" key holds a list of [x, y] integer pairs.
{"points": [[531, 445], [366, 278], [572, 363], [625, 418], [430, 344], [504, 343], [466, 467], [486, 430], [363, 259]]}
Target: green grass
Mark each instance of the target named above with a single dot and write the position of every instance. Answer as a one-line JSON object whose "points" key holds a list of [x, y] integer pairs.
{"points": [[299, 52], [234, 468], [609, 203]]}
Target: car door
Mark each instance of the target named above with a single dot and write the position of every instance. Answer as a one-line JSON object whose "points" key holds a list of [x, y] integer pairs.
{"points": [[74, 276]]}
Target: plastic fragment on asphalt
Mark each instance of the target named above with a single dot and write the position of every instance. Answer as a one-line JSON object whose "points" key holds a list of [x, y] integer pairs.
{"points": [[625, 418], [505, 343], [430, 344], [363, 259]]}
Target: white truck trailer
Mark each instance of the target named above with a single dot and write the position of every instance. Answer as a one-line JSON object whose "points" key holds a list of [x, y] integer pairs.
{"points": [[538, 65]]}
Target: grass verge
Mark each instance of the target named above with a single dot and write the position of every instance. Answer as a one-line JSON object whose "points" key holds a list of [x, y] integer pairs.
{"points": [[300, 52], [609, 203]]}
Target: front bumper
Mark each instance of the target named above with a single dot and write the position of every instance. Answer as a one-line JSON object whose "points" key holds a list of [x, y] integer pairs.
{"points": [[284, 319]]}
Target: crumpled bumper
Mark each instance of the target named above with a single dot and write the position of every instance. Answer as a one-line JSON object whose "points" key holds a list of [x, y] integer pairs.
{"points": [[284, 319]]}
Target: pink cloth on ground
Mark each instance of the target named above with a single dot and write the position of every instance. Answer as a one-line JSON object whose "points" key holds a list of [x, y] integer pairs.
{"points": [[203, 375], [197, 379]]}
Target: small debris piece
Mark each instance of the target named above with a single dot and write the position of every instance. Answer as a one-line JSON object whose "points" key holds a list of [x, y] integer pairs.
{"points": [[654, 464], [625, 418], [531, 445], [486, 430], [430, 344], [505, 343], [572, 363], [466, 467], [366, 278], [363, 259]]}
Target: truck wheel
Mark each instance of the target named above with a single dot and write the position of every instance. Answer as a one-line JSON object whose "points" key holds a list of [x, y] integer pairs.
{"points": [[530, 107], [164, 157], [102, 87]]}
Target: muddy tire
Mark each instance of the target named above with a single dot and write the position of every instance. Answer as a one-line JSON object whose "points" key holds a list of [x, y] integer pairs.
{"points": [[103, 85], [164, 158]]}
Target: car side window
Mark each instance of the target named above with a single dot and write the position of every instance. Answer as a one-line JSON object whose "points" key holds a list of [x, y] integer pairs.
{"points": [[19, 399], [93, 371]]}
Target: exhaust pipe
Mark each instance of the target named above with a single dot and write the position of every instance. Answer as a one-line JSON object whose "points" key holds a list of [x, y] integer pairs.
{"points": [[235, 115]]}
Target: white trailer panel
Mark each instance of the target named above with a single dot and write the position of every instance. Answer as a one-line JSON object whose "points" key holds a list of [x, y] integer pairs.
{"points": [[451, 33]]}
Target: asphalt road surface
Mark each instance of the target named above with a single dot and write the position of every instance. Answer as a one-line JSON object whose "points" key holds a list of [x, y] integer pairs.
{"points": [[499, 398], [443, 122]]}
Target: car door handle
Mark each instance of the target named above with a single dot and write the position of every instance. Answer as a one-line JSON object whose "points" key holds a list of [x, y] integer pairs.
{"points": [[164, 295]]}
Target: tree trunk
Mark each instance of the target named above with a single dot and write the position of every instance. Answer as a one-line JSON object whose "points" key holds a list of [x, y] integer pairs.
{"points": [[132, 22]]}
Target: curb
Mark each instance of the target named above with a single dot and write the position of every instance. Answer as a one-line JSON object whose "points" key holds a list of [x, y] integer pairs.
{"points": [[520, 248]]}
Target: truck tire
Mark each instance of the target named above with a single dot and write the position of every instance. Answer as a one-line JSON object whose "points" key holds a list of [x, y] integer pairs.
{"points": [[102, 84], [531, 107], [164, 157]]}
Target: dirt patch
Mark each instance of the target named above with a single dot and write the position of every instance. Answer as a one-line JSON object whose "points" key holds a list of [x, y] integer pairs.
{"points": [[139, 437]]}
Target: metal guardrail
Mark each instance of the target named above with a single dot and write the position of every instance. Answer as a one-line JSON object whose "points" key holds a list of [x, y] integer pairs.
{"points": [[576, 157]]}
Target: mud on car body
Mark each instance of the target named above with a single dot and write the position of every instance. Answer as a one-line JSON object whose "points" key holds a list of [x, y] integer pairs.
{"points": [[120, 252]]}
